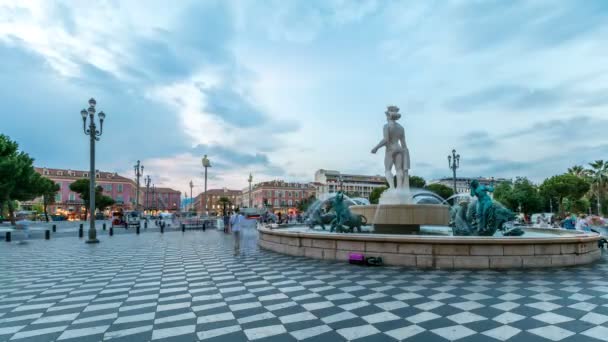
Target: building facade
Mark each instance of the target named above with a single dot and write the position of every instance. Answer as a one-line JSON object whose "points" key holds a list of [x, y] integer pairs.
{"points": [[213, 204], [463, 183], [278, 195], [330, 181], [161, 200], [68, 203]]}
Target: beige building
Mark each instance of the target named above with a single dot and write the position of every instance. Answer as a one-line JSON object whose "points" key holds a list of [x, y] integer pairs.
{"points": [[213, 201], [462, 183], [278, 195], [330, 181]]}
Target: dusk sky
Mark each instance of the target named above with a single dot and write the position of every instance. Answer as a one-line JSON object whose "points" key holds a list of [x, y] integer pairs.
{"points": [[283, 88]]}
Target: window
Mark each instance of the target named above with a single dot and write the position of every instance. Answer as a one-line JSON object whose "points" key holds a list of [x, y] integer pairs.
{"points": [[119, 199], [107, 187], [45, 172], [72, 197], [57, 197], [120, 188], [290, 203], [85, 175], [276, 202], [59, 173], [59, 184], [97, 175]]}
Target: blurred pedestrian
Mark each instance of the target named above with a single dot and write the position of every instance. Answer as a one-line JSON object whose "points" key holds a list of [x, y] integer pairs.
{"points": [[236, 223]]}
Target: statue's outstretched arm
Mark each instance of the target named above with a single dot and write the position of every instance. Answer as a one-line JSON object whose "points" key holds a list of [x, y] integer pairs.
{"points": [[383, 141]]}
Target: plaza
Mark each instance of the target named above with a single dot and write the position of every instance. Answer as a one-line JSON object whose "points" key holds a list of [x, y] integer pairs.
{"points": [[190, 287]]}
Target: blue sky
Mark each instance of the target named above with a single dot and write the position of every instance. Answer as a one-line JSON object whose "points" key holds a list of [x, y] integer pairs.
{"points": [[282, 88]]}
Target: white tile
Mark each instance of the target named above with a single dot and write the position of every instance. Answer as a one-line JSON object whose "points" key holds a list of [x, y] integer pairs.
{"points": [[551, 318], [143, 298], [298, 317], [135, 318], [208, 306], [272, 297], [467, 306], [353, 306], [552, 332], [78, 299], [407, 296], [508, 318], [172, 332], [58, 318], [33, 307], [342, 316], [280, 306], [389, 306], [502, 333], [375, 295], [453, 333], [11, 330], [583, 306], [441, 296], [98, 318], [405, 332], [239, 297], [255, 318], [175, 306], [66, 307], [137, 307], [292, 289], [317, 306], [74, 333], [203, 335], [545, 306], [244, 306], [262, 332], [38, 332], [207, 297], [384, 316], [506, 306], [310, 332], [580, 297], [175, 318], [465, 317], [20, 318], [306, 296], [422, 317], [358, 332], [429, 305], [226, 316], [97, 307], [599, 332], [594, 318]]}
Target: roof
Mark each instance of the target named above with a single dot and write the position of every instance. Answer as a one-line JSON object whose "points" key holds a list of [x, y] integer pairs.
{"points": [[77, 174], [157, 189]]}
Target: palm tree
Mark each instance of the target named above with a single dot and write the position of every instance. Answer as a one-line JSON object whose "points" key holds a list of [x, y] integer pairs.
{"points": [[224, 201], [598, 176], [578, 171]]}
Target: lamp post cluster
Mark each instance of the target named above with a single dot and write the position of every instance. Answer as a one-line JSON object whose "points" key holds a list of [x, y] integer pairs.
{"points": [[250, 179], [454, 163], [147, 181], [206, 164], [139, 170], [94, 135]]}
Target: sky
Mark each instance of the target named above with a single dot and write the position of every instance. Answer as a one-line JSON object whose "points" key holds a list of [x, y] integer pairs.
{"points": [[280, 89]]}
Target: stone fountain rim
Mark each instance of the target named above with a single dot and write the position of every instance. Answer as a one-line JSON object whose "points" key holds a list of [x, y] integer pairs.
{"points": [[580, 237]]}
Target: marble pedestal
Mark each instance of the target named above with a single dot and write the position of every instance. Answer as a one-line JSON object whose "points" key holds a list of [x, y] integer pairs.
{"points": [[403, 218]]}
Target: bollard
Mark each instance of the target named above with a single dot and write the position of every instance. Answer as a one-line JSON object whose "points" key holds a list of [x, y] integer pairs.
{"points": [[47, 234], [137, 230], [8, 237], [162, 229], [146, 224], [103, 226], [183, 227], [80, 232], [54, 228], [204, 225], [81, 225], [111, 231]]}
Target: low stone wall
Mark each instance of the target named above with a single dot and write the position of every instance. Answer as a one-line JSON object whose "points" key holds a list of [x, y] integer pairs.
{"points": [[438, 252]]}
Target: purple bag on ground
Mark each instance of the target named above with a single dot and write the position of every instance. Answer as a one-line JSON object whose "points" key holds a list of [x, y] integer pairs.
{"points": [[356, 258]]}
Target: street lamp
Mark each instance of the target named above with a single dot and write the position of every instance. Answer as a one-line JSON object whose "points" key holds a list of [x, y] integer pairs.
{"points": [[454, 163], [138, 174], [154, 197], [250, 179], [206, 164], [94, 135], [147, 182]]}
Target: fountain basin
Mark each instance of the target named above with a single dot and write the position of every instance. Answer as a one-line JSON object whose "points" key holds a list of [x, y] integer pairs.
{"points": [[558, 248], [403, 218]]}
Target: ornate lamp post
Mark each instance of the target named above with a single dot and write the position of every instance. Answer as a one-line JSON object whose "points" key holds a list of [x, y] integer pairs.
{"points": [[147, 182], [154, 197], [94, 135], [454, 163], [250, 179], [138, 173], [206, 164]]}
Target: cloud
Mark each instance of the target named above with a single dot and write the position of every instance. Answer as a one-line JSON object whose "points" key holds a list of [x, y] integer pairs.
{"points": [[479, 139], [577, 128]]}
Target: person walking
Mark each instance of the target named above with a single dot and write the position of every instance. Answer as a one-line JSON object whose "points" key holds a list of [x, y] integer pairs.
{"points": [[236, 223]]}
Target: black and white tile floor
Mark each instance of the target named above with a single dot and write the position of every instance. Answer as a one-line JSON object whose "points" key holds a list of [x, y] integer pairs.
{"points": [[190, 287]]}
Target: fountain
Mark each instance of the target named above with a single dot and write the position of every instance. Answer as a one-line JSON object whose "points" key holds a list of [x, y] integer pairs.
{"points": [[416, 228]]}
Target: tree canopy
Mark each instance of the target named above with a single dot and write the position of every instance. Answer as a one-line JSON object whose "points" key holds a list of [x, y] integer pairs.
{"points": [[565, 186], [521, 194], [81, 187], [442, 190]]}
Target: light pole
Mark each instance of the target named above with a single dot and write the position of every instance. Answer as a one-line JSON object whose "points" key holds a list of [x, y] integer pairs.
{"points": [[191, 202], [138, 174], [250, 179], [147, 182], [206, 164], [94, 134], [154, 197], [454, 163]]}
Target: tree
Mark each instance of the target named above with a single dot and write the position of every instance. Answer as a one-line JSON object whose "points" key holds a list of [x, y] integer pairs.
{"points": [[352, 194], [564, 186], [18, 179], [224, 201], [522, 194], [579, 171], [374, 197], [441, 190], [306, 203], [81, 187], [417, 182], [48, 189]]}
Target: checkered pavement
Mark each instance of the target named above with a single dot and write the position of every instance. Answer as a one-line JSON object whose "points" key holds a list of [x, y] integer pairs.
{"points": [[190, 287]]}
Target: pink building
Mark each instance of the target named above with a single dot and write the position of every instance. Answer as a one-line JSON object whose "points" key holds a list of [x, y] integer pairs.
{"points": [[160, 199], [68, 203]]}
